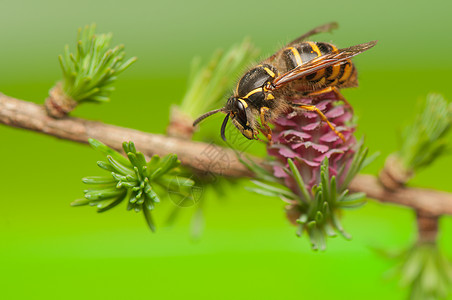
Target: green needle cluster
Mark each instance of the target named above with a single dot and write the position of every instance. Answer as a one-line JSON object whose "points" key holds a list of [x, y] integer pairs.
{"points": [[317, 212], [89, 72], [425, 140], [425, 270], [134, 180], [320, 214], [207, 85]]}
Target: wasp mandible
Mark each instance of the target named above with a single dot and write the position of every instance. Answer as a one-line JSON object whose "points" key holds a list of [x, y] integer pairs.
{"points": [[301, 69]]}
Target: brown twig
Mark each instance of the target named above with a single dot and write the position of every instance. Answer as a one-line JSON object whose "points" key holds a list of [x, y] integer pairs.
{"points": [[431, 202], [58, 104], [27, 115], [180, 124], [201, 156], [394, 176], [427, 227]]}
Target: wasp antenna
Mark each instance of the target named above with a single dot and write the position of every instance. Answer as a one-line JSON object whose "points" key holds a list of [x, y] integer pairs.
{"points": [[207, 114], [223, 127]]}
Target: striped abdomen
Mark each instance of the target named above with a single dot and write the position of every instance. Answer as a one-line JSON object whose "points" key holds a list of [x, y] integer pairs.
{"points": [[341, 75]]}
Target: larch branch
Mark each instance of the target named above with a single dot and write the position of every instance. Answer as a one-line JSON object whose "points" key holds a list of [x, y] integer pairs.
{"points": [[197, 155]]}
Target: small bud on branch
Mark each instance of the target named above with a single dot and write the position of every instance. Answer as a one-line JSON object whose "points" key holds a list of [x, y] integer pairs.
{"points": [[88, 73]]}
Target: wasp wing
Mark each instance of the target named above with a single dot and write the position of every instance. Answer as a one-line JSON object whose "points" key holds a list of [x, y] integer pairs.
{"points": [[320, 29], [321, 62]]}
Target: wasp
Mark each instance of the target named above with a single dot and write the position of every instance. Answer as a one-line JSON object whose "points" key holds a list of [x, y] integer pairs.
{"points": [[301, 69]]}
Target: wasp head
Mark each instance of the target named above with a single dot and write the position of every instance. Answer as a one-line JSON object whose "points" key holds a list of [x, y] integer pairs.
{"points": [[241, 116], [237, 110]]}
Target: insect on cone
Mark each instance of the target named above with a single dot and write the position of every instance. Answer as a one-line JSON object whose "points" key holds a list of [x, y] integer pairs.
{"points": [[303, 137]]}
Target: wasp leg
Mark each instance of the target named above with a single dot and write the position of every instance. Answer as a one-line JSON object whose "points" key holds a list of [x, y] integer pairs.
{"points": [[264, 116], [322, 116], [336, 92]]}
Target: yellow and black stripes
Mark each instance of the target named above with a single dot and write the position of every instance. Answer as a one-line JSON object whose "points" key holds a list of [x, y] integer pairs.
{"points": [[346, 72], [272, 74], [250, 87], [251, 93], [293, 58], [332, 72], [302, 53], [245, 105]]}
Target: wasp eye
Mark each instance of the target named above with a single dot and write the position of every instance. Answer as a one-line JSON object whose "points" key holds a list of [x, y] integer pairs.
{"points": [[241, 113]]}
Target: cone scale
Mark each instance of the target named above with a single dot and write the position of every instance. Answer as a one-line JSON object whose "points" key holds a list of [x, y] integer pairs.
{"points": [[303, 137]]}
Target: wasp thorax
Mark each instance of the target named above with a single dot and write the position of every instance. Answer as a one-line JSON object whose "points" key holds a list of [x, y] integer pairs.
{"points": [[251, 86]]}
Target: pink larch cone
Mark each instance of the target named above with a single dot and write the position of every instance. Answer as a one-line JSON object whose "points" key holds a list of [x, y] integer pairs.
{"points": [[307, 140]]}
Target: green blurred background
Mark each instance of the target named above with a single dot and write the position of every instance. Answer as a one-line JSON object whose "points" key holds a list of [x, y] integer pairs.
{"points": [[49, 250]]}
